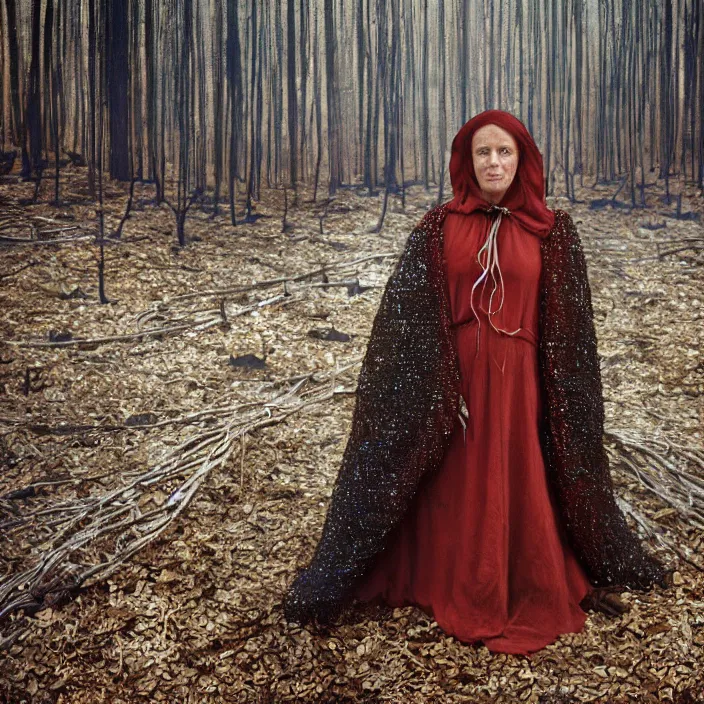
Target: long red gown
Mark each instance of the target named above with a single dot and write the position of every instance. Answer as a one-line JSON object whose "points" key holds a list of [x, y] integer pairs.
{"points": [[482, 550]]}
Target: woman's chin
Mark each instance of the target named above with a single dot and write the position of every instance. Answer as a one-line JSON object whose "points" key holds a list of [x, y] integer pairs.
{"points": [[493, 193]]}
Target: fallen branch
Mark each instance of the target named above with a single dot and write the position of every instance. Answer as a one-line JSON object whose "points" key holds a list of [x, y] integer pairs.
{"points": [[268, 283], [68, 228], [203, 319], [176, 309], [347, 283], [654, 530], [92, 537], [200, 323], [17, 271], [26, 242], [99, 340], [207, 415], [659, 466]]}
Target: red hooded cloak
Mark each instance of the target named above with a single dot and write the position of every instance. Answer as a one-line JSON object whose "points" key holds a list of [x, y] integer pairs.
{"points": [[408, 397]]}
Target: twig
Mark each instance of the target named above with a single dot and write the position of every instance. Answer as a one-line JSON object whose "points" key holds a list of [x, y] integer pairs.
{"points": [[100, 340], [665, 477], [268, 283], [325, 284], [203, 322], [128, 207], [242, 454], [652, 529], [17, 242], [17, 271], [59, 229]]}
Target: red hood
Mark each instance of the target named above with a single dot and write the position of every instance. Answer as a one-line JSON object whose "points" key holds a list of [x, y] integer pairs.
{"points": [[525, 198]]}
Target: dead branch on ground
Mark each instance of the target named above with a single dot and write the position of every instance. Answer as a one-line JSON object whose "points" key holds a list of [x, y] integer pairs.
{"points": [[87, 539]]}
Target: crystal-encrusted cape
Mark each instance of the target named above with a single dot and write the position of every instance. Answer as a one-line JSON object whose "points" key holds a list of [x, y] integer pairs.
{"points": [[406, 407]]}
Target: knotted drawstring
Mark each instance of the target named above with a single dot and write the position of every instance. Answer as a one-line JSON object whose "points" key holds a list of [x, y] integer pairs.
{"points": [[489, 266]]}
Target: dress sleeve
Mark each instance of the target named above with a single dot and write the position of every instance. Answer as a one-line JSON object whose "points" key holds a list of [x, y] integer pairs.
{"points": [[405, 406], [572, 433]]}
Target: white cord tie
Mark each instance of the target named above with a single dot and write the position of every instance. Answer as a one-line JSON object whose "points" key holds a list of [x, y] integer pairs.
{"points": [[490, 267]]}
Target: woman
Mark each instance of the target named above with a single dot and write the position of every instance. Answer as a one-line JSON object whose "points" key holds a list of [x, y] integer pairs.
{"points": [[475, 483]]}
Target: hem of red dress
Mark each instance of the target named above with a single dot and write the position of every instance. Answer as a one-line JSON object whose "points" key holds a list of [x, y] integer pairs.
{"points": [[491, 642], [518, 647]]}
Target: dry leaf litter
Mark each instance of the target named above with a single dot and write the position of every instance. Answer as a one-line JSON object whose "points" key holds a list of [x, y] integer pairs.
{"points": [[167, 458]]}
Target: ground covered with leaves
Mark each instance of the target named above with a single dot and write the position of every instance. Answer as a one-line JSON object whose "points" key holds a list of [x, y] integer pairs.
{"points": [[167, 457]]}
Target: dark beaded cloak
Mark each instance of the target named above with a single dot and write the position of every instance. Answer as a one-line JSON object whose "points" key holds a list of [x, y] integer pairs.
{"points": [[406, 406]]}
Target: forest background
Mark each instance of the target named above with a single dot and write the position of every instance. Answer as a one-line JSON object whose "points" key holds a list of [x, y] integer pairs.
{"points": [[200, 204]]}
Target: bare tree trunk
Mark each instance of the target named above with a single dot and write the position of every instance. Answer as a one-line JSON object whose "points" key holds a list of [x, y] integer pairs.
{"points": [[197, 81], [92, 87], [667, 105], [579, 62], [184, 110], [2, 91], [259, 119], [219, 126], [137, 136], [700, 92], [253, 126], [369, 171], [79, 116], [117, 85], [318, 109], [441, 102], [151, 27], [424, 107], [566, 104], [519, 62], [601, 99], [98, 132], [101, 210], [277, 87], [234, 82], [292, 95], [303, 11], [497, 69], [359, 155], [333, 101], [13, 50], [51, 61], [273, 102], [32, 133], [383, 75], [409, 24], [631, 98], [641, 29], [463, 13]]}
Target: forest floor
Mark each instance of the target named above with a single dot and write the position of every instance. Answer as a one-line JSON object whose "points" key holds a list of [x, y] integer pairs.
{"points": [[167, 410]]}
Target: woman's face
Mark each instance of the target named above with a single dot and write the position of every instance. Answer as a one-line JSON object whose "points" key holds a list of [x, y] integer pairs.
{"points": [[495, 158]]}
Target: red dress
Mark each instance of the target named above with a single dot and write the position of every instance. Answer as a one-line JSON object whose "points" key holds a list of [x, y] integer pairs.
{"points": [[481, 549]]}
